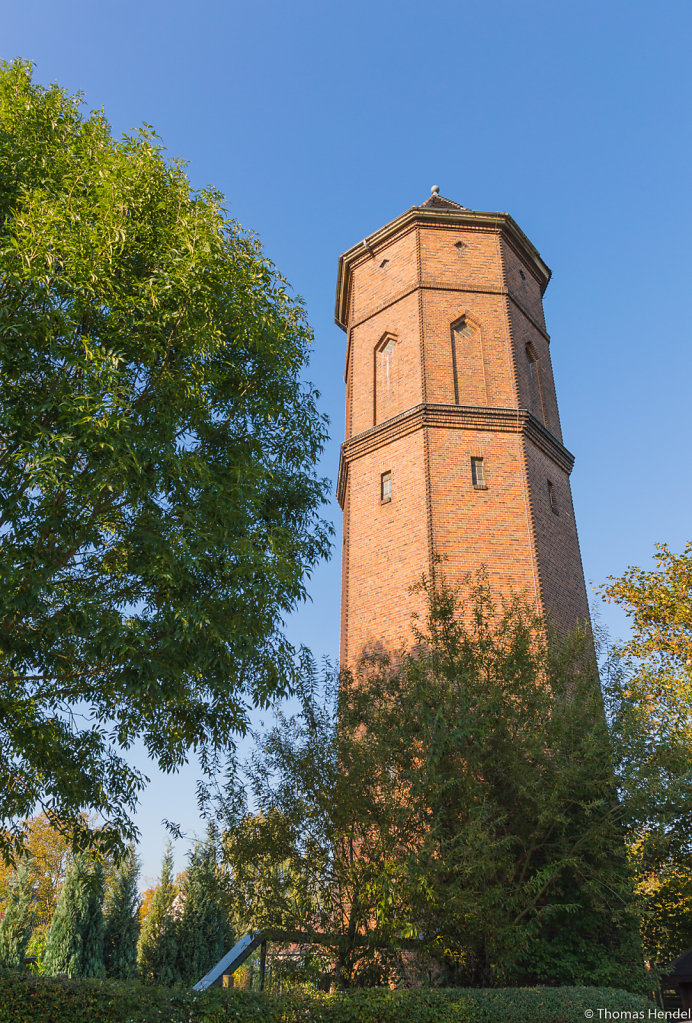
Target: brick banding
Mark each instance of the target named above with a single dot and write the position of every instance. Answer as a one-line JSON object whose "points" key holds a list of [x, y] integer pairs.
{"points": [[456, 417], [443, 395]]}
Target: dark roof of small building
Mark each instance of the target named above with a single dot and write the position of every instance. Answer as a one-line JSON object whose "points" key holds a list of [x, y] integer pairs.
{"points": [[440, 203], [682, 967]]}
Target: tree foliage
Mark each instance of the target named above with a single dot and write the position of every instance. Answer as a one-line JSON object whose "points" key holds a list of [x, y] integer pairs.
{"points": [[458, 809], [158, 503], [74, 944], [29, 999], [203, 932], [157, 951], [146, 901], [18, 921], [648, 688], [47, 857], [121, 921], [659, 603]]}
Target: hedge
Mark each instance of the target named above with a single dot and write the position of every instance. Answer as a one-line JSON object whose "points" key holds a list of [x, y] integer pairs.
{"points": [[30, 999]]}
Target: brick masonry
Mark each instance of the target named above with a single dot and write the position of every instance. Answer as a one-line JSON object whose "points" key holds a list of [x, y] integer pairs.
{"points": [[448, 359]]}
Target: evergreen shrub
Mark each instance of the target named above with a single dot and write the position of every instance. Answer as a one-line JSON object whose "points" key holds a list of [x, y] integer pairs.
{"points": [[25, 998]]}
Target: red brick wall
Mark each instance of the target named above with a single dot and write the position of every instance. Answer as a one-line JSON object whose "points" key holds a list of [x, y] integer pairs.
{"points": [[472, 528], [402, 320], [526, 290], [561, 577], [485, 378], [476, 263], [427, 284], [525, 333], [372, 283], [385, 547]]}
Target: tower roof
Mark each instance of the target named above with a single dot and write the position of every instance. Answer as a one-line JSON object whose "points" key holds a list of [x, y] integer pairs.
{"points": [[438, 202], [441, 211]]}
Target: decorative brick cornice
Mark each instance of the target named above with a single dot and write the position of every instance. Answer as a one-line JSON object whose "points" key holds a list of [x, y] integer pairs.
{"points": [[462, 289], [455, 417], [477, 220]]}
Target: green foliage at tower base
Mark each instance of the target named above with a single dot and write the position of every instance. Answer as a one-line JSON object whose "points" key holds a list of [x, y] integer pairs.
{"points": [[456, 816]]}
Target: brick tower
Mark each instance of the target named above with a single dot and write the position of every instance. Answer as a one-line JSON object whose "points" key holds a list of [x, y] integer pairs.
{"points": [[453, 443]]}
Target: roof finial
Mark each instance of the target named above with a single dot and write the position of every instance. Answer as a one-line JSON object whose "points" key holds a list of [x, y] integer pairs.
{"points": [[435, 190]]}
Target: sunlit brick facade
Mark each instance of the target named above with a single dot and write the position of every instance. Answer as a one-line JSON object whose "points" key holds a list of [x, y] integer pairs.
{"points": [[453, 442]]}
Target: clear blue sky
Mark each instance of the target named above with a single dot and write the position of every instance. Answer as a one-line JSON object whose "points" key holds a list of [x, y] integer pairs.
{"points": [[323, 121]]}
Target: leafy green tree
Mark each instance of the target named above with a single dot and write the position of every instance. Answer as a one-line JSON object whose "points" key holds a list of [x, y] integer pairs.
{"points": [[159, 508], [121, 921], [48, 856], [301, 842], [648, 690], [157, 950], [203, 928], [520, 875], [659, 603], [459, 809], [74, 944], [17, 923]]}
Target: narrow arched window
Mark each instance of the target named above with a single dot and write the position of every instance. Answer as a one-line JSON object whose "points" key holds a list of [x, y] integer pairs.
{"points": [[536, 397], [386, 379], [552, 498], [467, 364], [387, 360]]}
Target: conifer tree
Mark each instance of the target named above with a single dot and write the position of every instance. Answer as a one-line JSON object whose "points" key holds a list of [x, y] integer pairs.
{"points": [[121, 922], [92, 928], [203, 931], [75, 940], [157, 951], [15, 928]]}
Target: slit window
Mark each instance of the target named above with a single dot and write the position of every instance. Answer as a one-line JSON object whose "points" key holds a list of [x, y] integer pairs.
{"points": [[478, 473], [385, 487], [552, 498]]}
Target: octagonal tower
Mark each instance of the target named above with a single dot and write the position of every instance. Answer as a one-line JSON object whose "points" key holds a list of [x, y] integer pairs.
{"points": [[453, 442]]}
